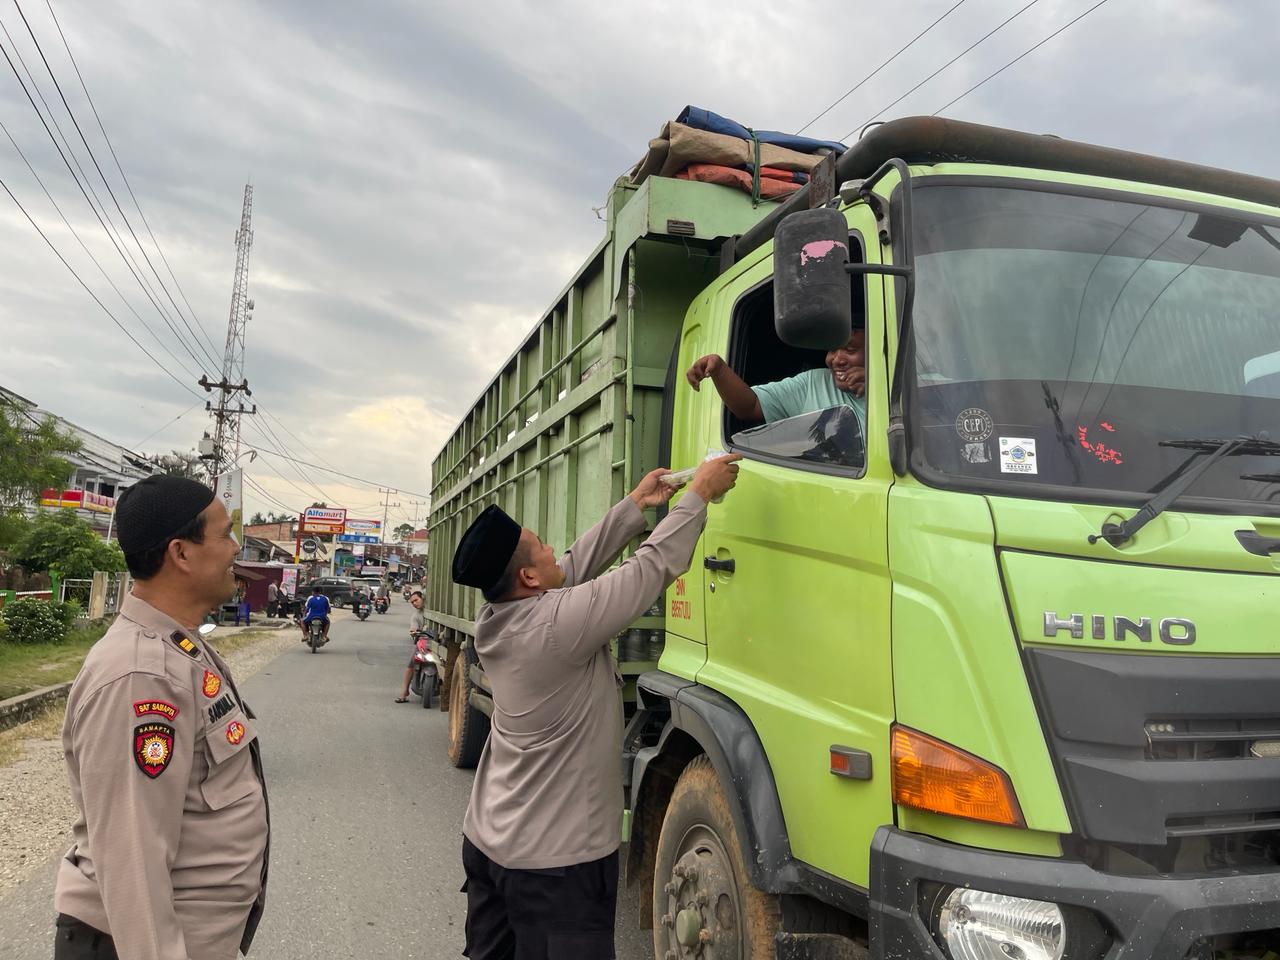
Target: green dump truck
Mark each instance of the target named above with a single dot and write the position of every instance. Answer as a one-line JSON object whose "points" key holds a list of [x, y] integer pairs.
{"points": [[991, 676]]}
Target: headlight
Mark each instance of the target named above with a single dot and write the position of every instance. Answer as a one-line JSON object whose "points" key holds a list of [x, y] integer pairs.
{"points": [[976, 925]]}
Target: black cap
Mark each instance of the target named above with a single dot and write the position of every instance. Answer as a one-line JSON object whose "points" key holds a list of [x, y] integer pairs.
{"points": [[151, 511], [485, 549]]}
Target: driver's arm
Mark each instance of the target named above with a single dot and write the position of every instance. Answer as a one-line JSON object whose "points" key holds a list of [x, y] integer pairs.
{"points": [[734, 392]]}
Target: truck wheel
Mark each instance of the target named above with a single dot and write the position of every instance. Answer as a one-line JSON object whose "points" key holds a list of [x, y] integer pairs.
{"points": [[468, 727], [702, 895]]}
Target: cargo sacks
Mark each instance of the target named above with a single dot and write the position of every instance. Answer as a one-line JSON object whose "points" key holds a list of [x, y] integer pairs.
{"points": [[773, 182], [679, 145]]}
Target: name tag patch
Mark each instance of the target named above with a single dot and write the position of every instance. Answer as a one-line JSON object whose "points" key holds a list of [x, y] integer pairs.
{"points": [[221, 708]]}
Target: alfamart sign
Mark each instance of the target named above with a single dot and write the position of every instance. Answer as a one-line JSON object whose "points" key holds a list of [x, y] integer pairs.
{"points": [[324, 519]]}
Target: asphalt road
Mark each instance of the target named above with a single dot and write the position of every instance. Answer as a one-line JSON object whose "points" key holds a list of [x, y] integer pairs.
{"points": [[366, 813]]}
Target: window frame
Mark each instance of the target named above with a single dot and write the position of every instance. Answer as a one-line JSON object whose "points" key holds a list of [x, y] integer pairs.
{"points": [[737, 341]]}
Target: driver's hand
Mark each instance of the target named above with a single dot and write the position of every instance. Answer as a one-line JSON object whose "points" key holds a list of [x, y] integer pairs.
{"points": [[707, 366]]}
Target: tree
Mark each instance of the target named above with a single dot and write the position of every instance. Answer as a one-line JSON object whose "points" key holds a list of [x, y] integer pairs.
{"points": [[257, 518], [59, 540], [184, 463], [403, 532], [32, 458]]}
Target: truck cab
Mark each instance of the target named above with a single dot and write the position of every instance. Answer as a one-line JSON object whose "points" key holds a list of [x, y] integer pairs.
{"points": [[991, 670]]}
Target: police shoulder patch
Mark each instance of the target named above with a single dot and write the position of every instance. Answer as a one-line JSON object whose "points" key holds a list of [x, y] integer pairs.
{"points": [[235, 732], [161, 708], [153, 747], [183, 643]]}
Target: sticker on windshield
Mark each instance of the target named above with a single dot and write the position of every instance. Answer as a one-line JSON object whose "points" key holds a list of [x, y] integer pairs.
{"points": [[974, 424], [1018, 455], [975, 453]]}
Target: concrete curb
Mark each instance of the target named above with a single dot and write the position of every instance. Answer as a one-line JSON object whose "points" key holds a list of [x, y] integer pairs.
{"points": [[23, 707]]}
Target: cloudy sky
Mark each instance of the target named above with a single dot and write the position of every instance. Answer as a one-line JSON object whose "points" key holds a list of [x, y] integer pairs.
{"points": [[391, 144]]}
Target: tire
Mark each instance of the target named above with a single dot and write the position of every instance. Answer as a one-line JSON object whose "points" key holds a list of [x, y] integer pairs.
{"points": [[468, 727], [428, 687], [698, 838]]}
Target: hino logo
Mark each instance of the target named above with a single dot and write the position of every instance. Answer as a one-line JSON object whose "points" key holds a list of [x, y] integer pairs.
{"points": [[1172, 630]]}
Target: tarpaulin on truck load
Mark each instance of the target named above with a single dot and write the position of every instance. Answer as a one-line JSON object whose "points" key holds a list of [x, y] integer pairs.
{"points": [[679, 145], [704, 119], [771, 186]]}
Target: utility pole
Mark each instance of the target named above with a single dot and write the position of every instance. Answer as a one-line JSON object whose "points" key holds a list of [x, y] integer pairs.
{"points": [[225, 444], [386, 506]]}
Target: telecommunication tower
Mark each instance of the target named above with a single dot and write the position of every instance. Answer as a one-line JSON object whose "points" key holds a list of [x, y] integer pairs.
{"points": [[230, 405]]}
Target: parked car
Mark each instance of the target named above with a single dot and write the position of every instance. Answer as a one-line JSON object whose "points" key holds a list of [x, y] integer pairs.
{"points": [[339, 590]]}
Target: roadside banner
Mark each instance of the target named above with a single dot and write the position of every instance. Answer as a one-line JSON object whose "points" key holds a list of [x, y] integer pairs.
{"points": [[289, 580], [229, 487]]}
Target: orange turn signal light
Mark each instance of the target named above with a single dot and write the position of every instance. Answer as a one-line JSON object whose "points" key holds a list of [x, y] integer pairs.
{"points": [[931, 775]]}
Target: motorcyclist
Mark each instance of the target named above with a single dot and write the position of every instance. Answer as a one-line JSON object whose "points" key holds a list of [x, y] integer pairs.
{"points": [[317, 608], [417, 623]]}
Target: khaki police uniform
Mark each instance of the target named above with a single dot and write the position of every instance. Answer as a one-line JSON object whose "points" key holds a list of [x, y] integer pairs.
{"points": [[171, 838], [544, 823]]}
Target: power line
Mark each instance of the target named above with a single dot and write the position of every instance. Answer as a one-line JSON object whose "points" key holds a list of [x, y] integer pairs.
{"points": [[264, 429], [92, 208], [1070, 23], [75, 233], [139, 444], [349, 476], [124, 177], [122, 327], [857, 85], [105, 182], [985, 37], [263, 493]]}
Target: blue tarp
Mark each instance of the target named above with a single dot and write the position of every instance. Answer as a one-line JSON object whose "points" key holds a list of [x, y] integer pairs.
{"points": [[713, 122]]}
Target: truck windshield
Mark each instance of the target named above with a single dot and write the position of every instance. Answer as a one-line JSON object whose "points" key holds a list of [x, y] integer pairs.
{"points": [[1060, 337]]}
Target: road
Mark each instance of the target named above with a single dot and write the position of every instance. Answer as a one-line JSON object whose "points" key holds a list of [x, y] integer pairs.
{"points": [[366, 813]]}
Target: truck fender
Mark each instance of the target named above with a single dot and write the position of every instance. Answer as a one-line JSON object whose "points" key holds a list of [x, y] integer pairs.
{"points": [[722, 731]]}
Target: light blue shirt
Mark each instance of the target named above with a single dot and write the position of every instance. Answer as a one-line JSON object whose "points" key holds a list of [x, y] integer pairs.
{"points": [[807, 392]]}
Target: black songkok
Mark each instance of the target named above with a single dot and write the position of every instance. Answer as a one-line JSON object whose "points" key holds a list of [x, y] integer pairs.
{"points": [[485, 549], [151, 511]]}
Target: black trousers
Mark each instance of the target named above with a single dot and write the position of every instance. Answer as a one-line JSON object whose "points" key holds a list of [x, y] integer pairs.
{"points": [[79, 941], [565, 913]]}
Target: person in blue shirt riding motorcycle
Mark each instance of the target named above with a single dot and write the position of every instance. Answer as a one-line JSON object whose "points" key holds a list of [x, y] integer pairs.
{"points": [[317, 608]]}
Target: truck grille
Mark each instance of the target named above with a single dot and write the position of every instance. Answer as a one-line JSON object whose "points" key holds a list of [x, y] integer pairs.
{"points": [[1151, 749]]}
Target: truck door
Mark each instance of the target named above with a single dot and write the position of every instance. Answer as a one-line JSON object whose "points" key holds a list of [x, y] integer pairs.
{"points": [[795, 574]]}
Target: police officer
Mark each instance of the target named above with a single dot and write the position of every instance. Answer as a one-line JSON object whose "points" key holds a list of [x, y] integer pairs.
{"points": [[170, 853], [542, 830]]}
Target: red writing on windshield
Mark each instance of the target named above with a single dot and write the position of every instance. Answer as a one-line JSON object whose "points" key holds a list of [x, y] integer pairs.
{"points": [[1100, 450]]}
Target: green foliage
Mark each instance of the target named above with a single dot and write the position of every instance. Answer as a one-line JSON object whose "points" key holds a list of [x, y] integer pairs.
{"points": [[33, 621], [68, 612], [404, 532], [60, 540], [31, 458]]}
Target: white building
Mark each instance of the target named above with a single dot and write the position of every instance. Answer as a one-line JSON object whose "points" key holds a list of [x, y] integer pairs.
{"points": [[99, 471]]}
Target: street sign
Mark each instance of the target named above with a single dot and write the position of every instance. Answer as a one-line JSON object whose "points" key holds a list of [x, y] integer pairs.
{"points": [[324, 520], [354, 538]]}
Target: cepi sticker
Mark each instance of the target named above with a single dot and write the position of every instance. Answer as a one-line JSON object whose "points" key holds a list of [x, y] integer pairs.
{"points": [[1018, 455]]}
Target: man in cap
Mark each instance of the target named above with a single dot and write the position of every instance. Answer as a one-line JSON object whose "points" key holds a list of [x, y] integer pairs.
{"points": [[542, 830], [170, 854]]}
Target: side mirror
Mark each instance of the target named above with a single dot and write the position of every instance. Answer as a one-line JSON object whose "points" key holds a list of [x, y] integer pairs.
{"points": [[811, 286]]}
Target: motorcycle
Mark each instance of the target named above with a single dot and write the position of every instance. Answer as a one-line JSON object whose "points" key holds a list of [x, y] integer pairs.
{"points": [[425, 671], [315, 635], [380, 604], [362, 606]]}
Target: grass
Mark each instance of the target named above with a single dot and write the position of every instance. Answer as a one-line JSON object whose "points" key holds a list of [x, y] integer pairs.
{"points": [[26, 667], [46, 725]]}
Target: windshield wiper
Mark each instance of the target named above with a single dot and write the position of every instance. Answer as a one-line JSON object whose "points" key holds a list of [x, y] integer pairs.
{"points": [[1119, 533]]}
